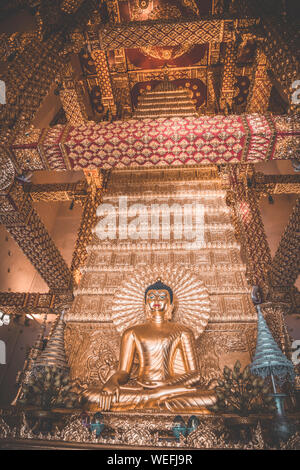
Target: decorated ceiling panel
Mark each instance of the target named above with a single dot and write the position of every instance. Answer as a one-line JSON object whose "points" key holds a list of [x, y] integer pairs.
{"points": [[199, 64], [143, 10]]}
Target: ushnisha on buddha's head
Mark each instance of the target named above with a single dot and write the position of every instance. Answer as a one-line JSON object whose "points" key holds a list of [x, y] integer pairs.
{"points": [[159, 300]]}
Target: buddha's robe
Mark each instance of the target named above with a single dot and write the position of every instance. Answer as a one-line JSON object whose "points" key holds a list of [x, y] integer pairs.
{"points": [[158, 386]]}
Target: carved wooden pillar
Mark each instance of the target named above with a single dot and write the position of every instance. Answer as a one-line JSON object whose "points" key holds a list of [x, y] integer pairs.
{"points": [[280, 41], [281, 51], [71, 98], [25, 226], [249, 227], [28, 79], [285, 266], [229, 73], [103, 75], [260, 93], [30, 75]]}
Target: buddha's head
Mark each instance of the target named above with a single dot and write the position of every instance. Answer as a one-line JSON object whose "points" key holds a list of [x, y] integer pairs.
{"points": [[159, 300]]}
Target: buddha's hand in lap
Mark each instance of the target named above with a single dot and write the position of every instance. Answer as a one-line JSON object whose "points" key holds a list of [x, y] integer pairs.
{"points": [[168, 391], [110, 393]]}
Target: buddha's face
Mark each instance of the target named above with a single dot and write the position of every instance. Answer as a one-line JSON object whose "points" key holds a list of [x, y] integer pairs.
{"points": [[158, 301]]}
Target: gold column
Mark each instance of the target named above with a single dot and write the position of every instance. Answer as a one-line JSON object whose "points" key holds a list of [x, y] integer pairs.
{"points": [[30, 75], [212, 93], [229, 72], [96, 182], [284, 268], [113, 11], [249, 226], [28, 79], [25, 226], [71, 98], [103, 75], [259, 99], [280, 42], [281, 51]]}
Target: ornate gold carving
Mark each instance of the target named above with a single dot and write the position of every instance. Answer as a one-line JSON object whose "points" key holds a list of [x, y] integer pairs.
{"points": [[165, 34], [276, 184], [143, 429], [96, 180], [280, 50], [284, 268], [190, 296], [165, 101], [20, 302], [28, 78], [7, 171], [23, 223], [70, 6], [229, 72], [71, 98], [101, 65], [249, 226], [92, 351], [260, 93], [57, 192]]}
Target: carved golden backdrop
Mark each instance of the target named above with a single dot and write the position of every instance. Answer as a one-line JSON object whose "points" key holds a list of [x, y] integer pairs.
{"points": [[190, 297], [92, 339]]}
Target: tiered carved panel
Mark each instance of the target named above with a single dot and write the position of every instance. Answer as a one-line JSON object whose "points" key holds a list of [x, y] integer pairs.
{"points": [[91, 333]]}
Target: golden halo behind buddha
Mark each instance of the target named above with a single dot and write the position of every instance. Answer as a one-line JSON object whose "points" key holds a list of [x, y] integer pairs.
{"points": [[191, 299]]}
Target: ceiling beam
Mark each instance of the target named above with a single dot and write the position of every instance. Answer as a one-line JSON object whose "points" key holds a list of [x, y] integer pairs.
{"points": [[57, 192], [165, 33], [23, 302], [135, 143]]}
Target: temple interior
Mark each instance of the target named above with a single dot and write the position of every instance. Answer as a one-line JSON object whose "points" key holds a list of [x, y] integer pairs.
{"points": [[143, 142]]}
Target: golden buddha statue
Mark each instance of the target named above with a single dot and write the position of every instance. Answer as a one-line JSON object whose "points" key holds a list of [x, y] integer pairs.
{"points": [[156, 344]]}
